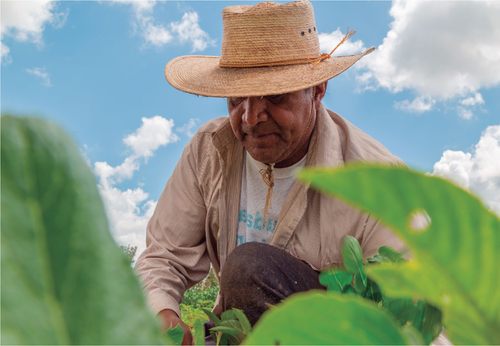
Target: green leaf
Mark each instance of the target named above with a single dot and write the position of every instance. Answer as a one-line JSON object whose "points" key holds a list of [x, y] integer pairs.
{"points": [[390, 254], [413, 335], [377, 259], [349, 289], [224, 329], [432, 326], [212, 316], [175, 334], [245, 324], [335, 279], [64, 280], [359, 285], [321, 318], [228, 315], [455, 264], [198, 332], [353, 257]]}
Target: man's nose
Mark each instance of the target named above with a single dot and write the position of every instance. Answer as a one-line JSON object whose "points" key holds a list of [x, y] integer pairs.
{"points": [[255, 110]]}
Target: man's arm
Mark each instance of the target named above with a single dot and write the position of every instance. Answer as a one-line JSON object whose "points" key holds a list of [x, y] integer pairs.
{"points": [[176, 257], [170, 319], [376, 235]]}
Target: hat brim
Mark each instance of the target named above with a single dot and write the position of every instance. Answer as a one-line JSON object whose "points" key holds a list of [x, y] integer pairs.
{"points": [[201, 75]]}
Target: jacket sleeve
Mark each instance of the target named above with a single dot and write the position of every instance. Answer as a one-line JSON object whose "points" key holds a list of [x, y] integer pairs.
{"points": [[376, 235], [176, 256]]}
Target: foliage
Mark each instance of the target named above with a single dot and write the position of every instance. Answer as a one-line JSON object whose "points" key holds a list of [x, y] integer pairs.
{"points": [[175, 334], [64, 281], [322, 318], [190, 313], [425, 318], [231, 329], [455, 263], [129, 251], [198, 297]]}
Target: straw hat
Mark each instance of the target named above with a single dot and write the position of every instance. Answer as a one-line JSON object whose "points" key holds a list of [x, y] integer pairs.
{"points": [[267, 49]]}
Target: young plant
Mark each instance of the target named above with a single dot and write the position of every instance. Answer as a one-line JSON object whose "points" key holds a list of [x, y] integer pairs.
{"points": [[231, 329], [425, 318]]}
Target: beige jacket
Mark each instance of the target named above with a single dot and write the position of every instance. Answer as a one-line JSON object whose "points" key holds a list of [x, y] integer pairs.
{"points": [[196, 218]]}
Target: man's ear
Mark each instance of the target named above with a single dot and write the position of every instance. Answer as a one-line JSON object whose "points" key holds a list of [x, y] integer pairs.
{"points": [[319, 94]]}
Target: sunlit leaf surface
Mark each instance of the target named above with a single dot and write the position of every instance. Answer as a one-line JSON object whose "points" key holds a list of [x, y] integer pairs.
{"points": [[455, 241], [320, 318], [64, 280]]}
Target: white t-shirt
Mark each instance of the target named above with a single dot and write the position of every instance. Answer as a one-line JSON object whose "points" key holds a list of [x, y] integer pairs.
{"points": [[253, 198]]}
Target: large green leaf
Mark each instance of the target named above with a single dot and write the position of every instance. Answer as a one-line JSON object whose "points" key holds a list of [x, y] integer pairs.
{"points": [[64, 280], [321, 318], [455, 264]]}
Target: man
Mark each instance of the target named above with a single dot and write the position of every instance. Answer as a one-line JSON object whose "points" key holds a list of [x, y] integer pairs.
{"points": [[233, 188]]}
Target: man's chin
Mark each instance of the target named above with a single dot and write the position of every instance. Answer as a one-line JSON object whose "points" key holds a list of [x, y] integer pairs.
{"points": [[263, 155]]}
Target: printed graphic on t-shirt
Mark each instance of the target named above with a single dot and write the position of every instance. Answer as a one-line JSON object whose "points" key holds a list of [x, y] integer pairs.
{"points": [[255, 230]]}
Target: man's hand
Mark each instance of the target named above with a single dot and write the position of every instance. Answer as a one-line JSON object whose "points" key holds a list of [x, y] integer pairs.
{"points": [[170, 318]]}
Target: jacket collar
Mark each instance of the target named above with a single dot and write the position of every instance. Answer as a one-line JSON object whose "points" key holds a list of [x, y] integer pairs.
{"points": [[322, 149]]}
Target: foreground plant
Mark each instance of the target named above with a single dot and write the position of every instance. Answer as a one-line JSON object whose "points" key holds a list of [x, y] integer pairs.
{"points": [[455, 253], [425, 318], [64, 280]]}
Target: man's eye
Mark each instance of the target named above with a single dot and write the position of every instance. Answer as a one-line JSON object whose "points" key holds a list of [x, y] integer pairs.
{"points": [[236, 100], [275, 98]]}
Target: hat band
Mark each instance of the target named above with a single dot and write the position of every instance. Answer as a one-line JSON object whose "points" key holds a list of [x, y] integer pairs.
{"points": [[284, 62]]}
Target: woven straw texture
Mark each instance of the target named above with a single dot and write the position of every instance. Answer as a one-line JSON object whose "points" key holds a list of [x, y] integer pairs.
{"points": [[269, 48]]}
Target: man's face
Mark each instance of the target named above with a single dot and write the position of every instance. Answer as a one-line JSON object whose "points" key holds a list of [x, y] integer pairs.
{"points": [[277, 128]]}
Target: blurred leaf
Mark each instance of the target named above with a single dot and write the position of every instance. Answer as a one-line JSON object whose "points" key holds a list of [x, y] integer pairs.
{"points": [[390, 254], [377, 259], [335, 279], [349, 289], [198, 332], [175, 334], [245, 324], [455, 265], [359, 285], [228, 315], [353, 257], [321, 318], [432, 326], [224, 329], [413, 335], [212, 316], [64, 280]]}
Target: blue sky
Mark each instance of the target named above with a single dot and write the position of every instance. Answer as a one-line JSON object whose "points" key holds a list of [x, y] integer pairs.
{"points": [[430, 93]]}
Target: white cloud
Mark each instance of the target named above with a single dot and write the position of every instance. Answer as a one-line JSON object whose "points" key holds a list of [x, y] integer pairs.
{"points": [[418, 105], [464, 113], [478, 171], [129, 210], [153, 133], [472, 101], [40, 73], [327, 43], [25, 21], [443, 50], [186, 128], [187, 30]]}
